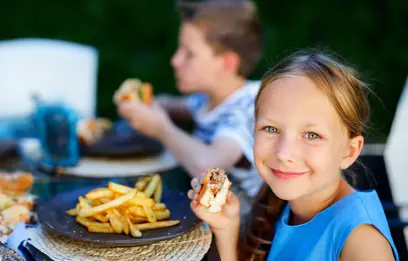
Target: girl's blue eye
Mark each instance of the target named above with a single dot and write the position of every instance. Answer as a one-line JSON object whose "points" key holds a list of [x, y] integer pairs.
{"points": [[271, 129], [312, 136]]}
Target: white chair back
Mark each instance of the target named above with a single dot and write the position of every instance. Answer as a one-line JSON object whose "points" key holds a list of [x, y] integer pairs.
{"points": [[396, 157], [54, 70]]}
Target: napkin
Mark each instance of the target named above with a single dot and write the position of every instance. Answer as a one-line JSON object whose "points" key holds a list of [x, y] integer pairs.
{"points": [[18, 235], [18, 240]]}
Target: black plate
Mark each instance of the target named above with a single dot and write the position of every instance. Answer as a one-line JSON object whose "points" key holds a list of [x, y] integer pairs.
{"points": [[52, 217], [122, 141], [8, 148], [113, 145]]}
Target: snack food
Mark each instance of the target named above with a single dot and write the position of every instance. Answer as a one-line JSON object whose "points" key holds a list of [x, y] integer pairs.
{"points": [[9, 254], [90, 131], [215, 189], [122, 209], [134, 90], [16, 183], [16, 204]]}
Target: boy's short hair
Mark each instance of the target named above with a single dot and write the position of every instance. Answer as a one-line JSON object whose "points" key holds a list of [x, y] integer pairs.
{"points": [[229, 25]]}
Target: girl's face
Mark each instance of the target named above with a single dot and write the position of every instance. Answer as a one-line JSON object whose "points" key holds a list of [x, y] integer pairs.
{"points": [[300, 142]]}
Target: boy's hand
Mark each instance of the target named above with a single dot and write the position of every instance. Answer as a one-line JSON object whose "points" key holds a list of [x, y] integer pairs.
{"points": [[148, 120], [165, 100], [227, 219]]}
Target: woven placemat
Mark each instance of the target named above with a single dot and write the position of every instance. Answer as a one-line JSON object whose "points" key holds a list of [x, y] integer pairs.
{"points": [[113, 167], [191, 246]]}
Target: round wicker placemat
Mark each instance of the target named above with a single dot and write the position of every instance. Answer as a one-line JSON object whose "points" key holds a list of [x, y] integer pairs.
{"points": [[191, 246]]}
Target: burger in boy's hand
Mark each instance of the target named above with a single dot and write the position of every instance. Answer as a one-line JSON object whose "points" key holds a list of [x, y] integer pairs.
{"points": [[133, 90]]}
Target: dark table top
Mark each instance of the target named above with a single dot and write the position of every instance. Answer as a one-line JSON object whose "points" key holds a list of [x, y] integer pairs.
{"points": [[48, 185]]}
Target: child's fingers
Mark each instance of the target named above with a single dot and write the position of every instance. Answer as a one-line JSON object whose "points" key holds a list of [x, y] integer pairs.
{"points": [[195, 184], [232, 198], [190, 194], [232, 207], [201, 212], [126, 109], [201, 176], [125, 106]]}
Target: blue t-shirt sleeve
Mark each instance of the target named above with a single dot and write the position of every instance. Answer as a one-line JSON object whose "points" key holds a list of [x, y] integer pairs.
{"points": [[237, 126], [195, 101]]}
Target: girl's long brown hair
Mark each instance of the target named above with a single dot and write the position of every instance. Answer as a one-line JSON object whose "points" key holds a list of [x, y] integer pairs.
{"points": [[347, 94]]}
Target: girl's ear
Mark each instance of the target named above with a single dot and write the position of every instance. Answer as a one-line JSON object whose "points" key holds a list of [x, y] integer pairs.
{"points": [[352, 152]]}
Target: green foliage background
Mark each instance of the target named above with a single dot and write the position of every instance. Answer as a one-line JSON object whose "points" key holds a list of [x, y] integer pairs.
{"points": [[136, 38]]}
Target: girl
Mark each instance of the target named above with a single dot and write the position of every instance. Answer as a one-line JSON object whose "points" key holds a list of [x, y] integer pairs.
{"points": [[311, 112]]}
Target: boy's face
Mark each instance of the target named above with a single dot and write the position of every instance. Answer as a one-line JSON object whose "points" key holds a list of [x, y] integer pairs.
{"points": [[196, 66]]}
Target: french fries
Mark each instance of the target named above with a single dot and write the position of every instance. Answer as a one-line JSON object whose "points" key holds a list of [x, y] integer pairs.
{"points": [[99, 193], [139, 201], [115, 222], [159, 224], [149, 214], [141, 185], [72, 212], [87, 212], [83, 221], [151, 188], [159, 206], [100, 229], [122, 209], [118, 188], [158, 192], [162, 215], [133, 231], [101, 218]]}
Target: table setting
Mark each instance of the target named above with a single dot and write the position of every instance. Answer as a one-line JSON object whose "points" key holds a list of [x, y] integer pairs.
{"points": [[55, 235], [119, 197]]}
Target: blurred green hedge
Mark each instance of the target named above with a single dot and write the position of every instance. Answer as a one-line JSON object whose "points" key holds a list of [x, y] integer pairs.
{"points": [[137, 38]]}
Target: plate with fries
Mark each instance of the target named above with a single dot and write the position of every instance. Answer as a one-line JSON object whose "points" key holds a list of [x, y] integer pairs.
{"points": [[120, 215]]}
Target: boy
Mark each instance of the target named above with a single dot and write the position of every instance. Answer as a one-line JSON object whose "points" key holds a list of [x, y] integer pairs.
{"points": [[220, 43]]}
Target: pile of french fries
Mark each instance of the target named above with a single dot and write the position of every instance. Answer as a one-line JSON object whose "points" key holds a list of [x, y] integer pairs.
{"points": [[122, 209]]}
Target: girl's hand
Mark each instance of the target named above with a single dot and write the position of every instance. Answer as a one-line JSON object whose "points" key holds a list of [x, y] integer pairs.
{"points": [[227, 219]]}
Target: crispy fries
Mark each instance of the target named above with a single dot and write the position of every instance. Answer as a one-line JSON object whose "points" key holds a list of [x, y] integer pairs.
{"points": [[137, 219], [162, 215], [149, 214], [137, 211], [141, 185], [118, 188], [159, 224], [83, 221], [99, 193], [159, 206], [83, 203], [158, 192], [115, 222], [72, 212], [87, 212], [101, 218], [99, 229], [137, 201], [133, 231], [122, 209], [150, 189]]}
